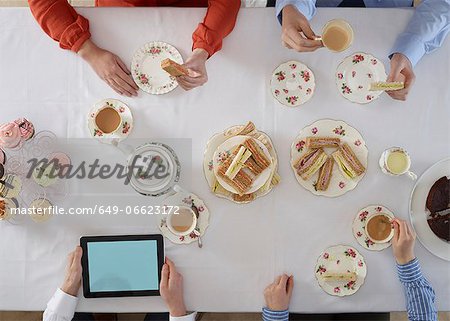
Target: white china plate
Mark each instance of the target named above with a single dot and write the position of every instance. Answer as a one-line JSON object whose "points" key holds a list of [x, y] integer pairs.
{"points": [[339, 185], [419, 214], [292, 83], [184, 198], [359, 227], [340, 259], [146, 67], [355, 74], [122, 131]]}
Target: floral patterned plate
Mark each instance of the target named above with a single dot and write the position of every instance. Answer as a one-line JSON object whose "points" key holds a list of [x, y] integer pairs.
{"points": [[341, 259], [146, 67], [215, 141], [331, 128], [184, 198], [292, 83], [224, 150], [359, 227], [355, 74], [126, 123]]}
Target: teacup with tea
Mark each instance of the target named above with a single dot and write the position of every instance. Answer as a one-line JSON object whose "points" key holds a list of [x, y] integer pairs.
{"points": [[379, 228], [396, 161], [107, 119], [337, 35], [182, 221]]}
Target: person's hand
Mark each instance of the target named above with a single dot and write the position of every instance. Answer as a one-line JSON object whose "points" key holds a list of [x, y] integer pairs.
{"points": [[110, 68], [72, 281], [171, 288], [278, 294], [403, 242], [196, 66], [401, 70], [296, 31]]}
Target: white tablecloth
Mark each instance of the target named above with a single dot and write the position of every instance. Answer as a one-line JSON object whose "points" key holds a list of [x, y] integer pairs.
{"points": [[245, 245]]}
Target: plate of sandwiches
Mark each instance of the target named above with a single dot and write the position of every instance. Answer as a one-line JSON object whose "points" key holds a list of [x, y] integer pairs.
{"points": [[329, 157], [430, 209], [241, 164], [340, 270]]}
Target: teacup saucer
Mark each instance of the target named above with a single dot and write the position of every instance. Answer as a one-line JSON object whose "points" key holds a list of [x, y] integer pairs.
{"points": [[183, 198], [292, 83], [121, 132], [341, 259], [359, 227]]}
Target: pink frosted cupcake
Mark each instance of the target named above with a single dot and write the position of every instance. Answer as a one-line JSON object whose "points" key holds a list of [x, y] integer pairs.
{"points": [[10, 135], [26, 128]]}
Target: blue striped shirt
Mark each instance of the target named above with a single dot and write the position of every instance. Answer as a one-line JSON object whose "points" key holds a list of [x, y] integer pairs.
{"points": [[419, 296], [425, 32], [419, 293]]}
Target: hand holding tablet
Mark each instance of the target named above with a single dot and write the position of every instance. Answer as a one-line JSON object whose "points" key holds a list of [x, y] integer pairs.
{"points": [[119, 266]]}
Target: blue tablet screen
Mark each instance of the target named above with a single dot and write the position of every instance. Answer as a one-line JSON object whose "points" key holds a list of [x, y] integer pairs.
{"points": [[123, 266]]}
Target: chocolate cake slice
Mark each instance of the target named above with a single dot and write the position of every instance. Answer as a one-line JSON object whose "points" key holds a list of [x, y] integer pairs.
{"points": [[440, 226], [439, 196]]}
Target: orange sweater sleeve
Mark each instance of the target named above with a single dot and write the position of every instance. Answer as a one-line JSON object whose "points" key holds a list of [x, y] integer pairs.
{"points": [[217, 24], [61, 22]]}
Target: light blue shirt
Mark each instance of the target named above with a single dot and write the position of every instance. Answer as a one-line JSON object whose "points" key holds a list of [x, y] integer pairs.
{"points": [[419, 296], [425, 32]]}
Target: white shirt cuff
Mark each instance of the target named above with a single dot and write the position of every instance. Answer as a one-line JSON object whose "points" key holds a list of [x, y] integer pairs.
{"points": [[189, 317], [62, 304]]}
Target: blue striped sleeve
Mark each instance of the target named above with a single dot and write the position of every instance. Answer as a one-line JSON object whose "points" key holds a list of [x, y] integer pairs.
{"points": [[419, 293], [269, 315]]}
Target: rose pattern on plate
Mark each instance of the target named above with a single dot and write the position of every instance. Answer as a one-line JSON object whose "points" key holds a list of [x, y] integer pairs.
{"points": [[373, 61], [143, 78], [276, 92], [350, 285], [326, 255], [293, 66], [281, 75], [360, 263], [346, 89], [314, 130], [358, 58], [353, 73], [339, 130], [308, 91], [340, 75], [125, 128], [369, 97], [97, 132], [350, 252], [369, 242], [300, 145], [369, 75], [321, 269], [357, 142], [121, 109], [292, 100], [378, 208], [285, 91], [363, 216], [359, 234], [341, 185], [305, 75], [337, 290]]}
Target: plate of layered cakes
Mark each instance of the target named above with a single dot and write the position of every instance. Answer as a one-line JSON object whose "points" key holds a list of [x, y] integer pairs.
{"points": [[430, 209], [329, 157], [240, 164]]}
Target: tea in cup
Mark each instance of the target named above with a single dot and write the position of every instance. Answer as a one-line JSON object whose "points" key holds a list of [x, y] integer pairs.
{"points": [[182, 221], [379, 228], [396, 161], [337, 35], [107, 119]]}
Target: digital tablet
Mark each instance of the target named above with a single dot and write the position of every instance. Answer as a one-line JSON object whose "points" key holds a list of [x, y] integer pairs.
{"points": [[125, 265]]}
